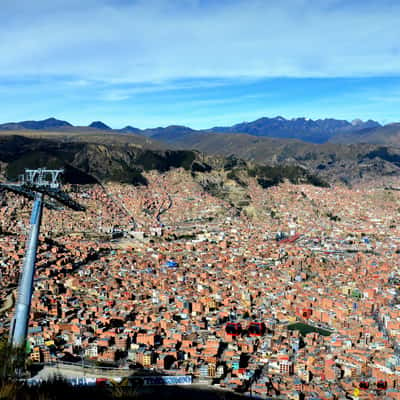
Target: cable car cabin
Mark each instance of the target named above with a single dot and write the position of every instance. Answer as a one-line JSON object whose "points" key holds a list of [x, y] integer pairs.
{"points": [[364, 385], [256, 329], [233, 328], [381, 385]]}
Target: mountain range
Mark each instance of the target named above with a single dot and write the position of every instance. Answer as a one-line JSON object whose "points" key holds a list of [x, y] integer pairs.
{"points": [[308, 130], [318, 131], [356, 151], [49, 123]]}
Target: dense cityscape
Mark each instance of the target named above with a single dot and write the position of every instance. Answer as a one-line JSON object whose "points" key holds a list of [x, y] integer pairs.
{"points": [[199, 200], [294, 297]]}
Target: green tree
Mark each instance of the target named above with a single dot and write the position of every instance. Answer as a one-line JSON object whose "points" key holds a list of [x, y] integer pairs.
{"points": [[11, 362]]}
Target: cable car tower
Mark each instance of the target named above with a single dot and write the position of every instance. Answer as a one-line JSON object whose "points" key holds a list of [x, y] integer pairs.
{"points": [[34, 184]]}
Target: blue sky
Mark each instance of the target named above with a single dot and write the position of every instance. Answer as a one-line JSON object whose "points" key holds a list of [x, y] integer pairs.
{"points": [[199, 63]]}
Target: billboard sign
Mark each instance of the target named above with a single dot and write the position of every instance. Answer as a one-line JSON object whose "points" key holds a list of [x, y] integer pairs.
{"points": [[167, 380]]}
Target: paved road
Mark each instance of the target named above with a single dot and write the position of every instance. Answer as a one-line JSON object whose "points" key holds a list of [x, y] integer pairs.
{"points": [[120, 204]]}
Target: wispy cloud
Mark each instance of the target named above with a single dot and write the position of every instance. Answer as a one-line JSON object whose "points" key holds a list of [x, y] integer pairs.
{"points": [[119, 91], [160, 40]]}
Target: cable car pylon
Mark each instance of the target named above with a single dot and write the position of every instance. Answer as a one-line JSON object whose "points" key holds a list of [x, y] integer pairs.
{"points": [[36, 184]]}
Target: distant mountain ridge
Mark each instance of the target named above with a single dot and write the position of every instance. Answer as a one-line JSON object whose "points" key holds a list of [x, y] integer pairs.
{"points": [[308, 130], [99, 125], [49, 123], [384, 135], [131, 129], [330, 162], [314, 131]]}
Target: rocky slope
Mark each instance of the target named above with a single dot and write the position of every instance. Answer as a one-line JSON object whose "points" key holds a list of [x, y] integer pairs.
{"points": [[388, 135], [86, 163], [330, 162]]}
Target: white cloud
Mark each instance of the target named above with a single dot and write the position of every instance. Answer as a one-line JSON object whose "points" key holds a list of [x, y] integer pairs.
{"points": [[124, 91], [160, 40]]}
